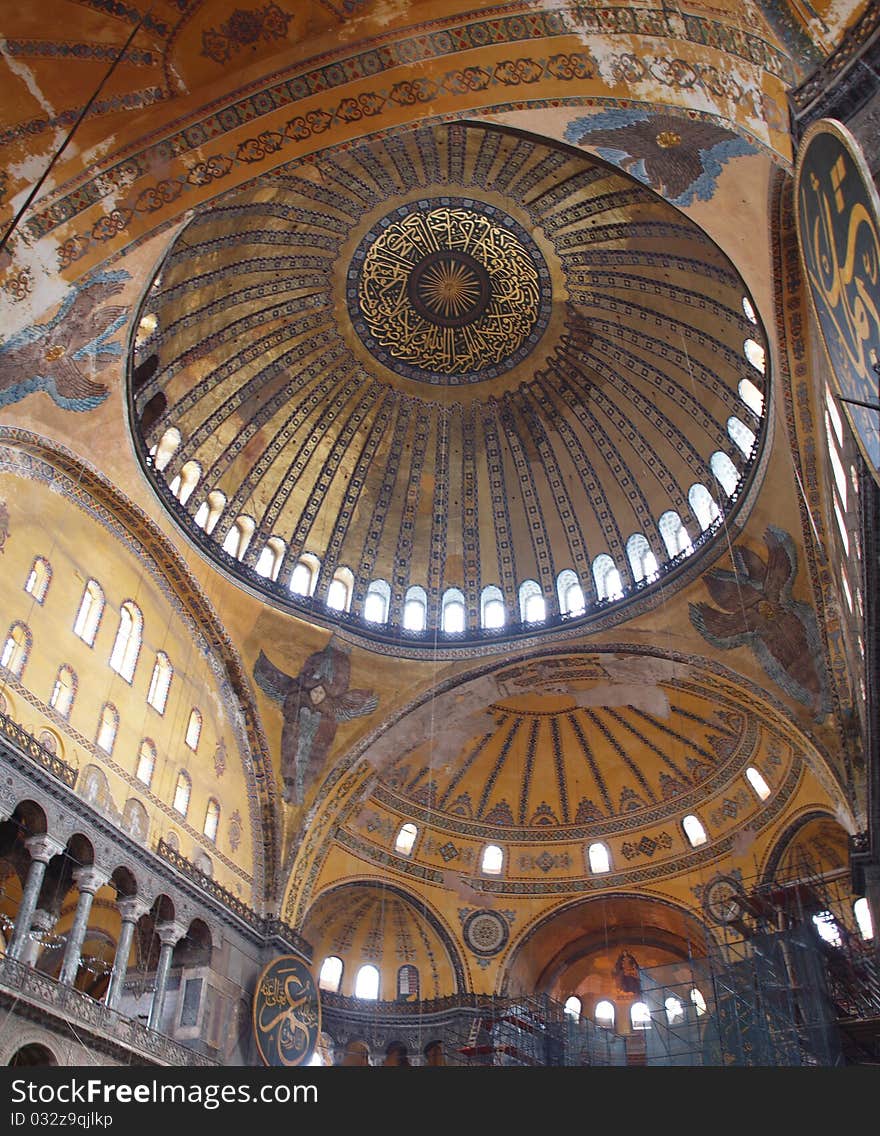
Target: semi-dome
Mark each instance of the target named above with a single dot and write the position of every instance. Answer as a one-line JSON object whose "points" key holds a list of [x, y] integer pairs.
{"points": [[455, 385]]}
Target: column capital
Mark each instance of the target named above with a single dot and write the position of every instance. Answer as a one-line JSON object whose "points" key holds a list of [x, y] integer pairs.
{"points": [[131, 908], [43, 847], [89, 878], [170, 933]]}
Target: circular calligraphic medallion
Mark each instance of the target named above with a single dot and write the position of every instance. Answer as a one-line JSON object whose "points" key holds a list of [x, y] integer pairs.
{"points": [[448, 290], [719, 899], [485, 932], [838, 222], [287, 1013]]}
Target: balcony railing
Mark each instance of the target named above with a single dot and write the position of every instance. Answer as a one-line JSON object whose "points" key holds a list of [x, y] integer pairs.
{"points": [[99, 1024]]}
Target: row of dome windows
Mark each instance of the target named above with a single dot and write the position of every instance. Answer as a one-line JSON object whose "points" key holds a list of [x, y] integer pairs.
{"points": [[123, 657], [605, 1012], [598, 855], [607, 579], [606, 573], [367, 979]]}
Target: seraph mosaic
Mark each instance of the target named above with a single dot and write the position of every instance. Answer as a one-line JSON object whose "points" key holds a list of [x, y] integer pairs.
{"points": [[677, 157], [757, 610], [52, 356], [313, 703]]}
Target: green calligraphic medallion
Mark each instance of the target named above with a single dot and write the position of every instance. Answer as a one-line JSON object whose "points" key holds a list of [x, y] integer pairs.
{"points": [[287, 1013], [839, 235]]}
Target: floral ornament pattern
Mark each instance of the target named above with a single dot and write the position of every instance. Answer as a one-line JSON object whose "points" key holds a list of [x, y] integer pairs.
{"points": [[50, 356], [245, 30], [680, 158], [758, 611]]}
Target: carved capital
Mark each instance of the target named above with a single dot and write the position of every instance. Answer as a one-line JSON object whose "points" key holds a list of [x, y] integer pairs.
{"points": [[43, 847], [89, 878]]}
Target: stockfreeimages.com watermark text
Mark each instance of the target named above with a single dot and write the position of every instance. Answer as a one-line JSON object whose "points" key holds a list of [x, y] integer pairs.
{"points": [[95, 1091]]}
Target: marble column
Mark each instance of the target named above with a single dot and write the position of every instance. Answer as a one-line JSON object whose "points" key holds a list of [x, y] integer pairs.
{"points": [[42, 848], [169, 934], [131, 910], [88, 880]]}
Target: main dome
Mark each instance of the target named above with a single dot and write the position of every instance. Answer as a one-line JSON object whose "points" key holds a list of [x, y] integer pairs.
{"points": [[448, 388]]}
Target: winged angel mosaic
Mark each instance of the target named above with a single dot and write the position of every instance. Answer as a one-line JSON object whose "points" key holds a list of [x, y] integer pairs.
{"points": [[757, 609], [313, 703]]}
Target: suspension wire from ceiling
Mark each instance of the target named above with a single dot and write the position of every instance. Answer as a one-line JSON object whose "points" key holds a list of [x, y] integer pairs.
{"points": [[13, 225]]}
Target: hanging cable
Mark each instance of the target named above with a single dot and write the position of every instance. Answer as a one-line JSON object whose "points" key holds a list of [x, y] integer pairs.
{"points": [[80, 117]]}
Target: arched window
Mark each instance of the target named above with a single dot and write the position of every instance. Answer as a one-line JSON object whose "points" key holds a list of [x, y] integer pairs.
{"points": [[212, 820], [726, 473], [269, 561], [211, 509], [305, 575], [492, 861], [674, 1010], [408, 983], [452, 618], [675, 535], [570, 593], [366, 984], [160, 681], [64, 691], [16, 648], [108, 724], [194, 729], [834, 414], [415, 609], [239, 536], [703, 506], [492, 612], [166, 447], [642, 560], [182, 790], [828, 929], [742, 435], [330, 975], [699, 1001], [754, 352], [186, 481], [339, 592], [640, 1016], [752, 397], [89, 615], [604, 1014], [599, 858], [749, 310], [377, 602], [146, 762], [406, 838], [609, 586], [693, 830], [124, 656], [39, 578], [532, 608], [758, 783], [572, 1007], [863, 918]]}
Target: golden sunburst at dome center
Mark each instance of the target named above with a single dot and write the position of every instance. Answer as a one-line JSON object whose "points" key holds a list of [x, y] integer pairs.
{"points": [[448, 291]]}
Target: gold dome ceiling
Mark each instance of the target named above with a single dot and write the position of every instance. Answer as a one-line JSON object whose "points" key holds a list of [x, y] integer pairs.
{"points": [[453, 359], [574, 748]]}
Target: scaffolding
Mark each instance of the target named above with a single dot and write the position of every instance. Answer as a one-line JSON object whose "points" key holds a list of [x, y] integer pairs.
{"points": [[786, 980]]}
